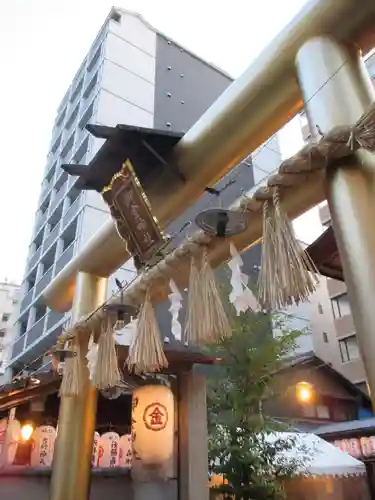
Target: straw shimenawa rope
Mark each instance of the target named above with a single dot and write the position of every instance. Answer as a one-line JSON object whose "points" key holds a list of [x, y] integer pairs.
{"points": [[71, 383], [146, 352], [107, 373], [310, 161]]}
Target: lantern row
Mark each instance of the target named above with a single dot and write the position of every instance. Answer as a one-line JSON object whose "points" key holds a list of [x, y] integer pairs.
{"points": [[151, 440], [363, 447]]}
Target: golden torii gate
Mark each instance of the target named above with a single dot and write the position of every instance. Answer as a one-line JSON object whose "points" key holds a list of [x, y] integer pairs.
{"points": [[316, 60]]}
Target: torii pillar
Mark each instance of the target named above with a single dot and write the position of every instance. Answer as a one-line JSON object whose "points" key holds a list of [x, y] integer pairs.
{"points": [[337, 91]]}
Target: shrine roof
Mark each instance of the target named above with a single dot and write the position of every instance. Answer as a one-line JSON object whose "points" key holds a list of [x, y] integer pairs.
{"points": [[325, 255], [148, 150], [181, 358]]}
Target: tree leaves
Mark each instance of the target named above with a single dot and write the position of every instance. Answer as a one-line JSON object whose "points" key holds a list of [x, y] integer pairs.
{"points": [[240, 447]]}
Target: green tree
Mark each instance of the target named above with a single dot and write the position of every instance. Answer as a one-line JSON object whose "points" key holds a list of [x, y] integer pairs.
{"points": [[243, 445]]}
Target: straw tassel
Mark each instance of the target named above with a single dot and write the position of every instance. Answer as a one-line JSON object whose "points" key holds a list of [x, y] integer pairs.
{"points": [[216, 324], [269, 287], [107, 373], [194, 310], [207, 320], [146, 352], [287, 275], [71, 383]]}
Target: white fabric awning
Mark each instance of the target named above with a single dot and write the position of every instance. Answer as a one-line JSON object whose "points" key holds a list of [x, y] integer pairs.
{"points": [[326, 459]]}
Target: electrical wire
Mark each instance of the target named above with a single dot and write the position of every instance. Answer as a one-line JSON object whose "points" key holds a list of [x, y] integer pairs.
{"points": [[230, 182]]}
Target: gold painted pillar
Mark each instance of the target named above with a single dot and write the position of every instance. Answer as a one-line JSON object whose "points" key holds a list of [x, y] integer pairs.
{"points": [[72, 458], [338, 90]]}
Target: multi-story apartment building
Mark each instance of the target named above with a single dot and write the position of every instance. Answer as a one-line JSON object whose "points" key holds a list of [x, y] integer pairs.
{"points": [[9, 306], [132, 75], [334, 336]]}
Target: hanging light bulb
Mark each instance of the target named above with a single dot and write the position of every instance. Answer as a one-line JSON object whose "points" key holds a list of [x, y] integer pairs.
{"points": [[221, 222], [124, 312], [120, 322], [62, 350]]}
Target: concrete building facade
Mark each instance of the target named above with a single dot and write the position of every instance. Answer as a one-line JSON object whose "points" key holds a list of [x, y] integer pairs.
{"points": [[132, 75], [9, 307]]}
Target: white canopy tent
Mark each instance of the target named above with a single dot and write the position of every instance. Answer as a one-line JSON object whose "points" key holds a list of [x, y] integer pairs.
{"points": [[325, 459]]}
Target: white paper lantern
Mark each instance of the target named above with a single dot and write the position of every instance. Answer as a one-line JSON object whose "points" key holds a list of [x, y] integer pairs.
{"points": [[44, 438], [13, 438], [126, 452], [354, 448], [109, 450], [153, 424], [372, 445], [366, 446], [95, 450]]}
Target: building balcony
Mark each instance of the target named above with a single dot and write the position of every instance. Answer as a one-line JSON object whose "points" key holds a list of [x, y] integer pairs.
{"points": [[354, 370], [335, 287], [35, 331], [59, 196], [40, 221], [71, 181], [34, 258], [66, 151], [51, 238], [53, 318], [344, 325], [81, 146], [26, 301], [43, 282], [40, 338], [71, 120], [72, 212], [52, 160], [65, 258], [45, 191], [77, 90], [18, 346], [55, 147], [91, 84], [95, 60]]}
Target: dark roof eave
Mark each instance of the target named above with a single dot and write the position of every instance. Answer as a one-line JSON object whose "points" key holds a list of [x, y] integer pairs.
{"points": [[323, 252]]}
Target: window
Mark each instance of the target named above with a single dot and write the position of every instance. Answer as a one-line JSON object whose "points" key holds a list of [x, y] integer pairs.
{"points": [[325, 337], [2, 333], [349, 348], [322, 412], [320, 308], [5, 317], [340, 305], [308, 411]]}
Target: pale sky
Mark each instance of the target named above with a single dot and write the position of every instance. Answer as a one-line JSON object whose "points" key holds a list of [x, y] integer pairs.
{"points": [[42, 44]]}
